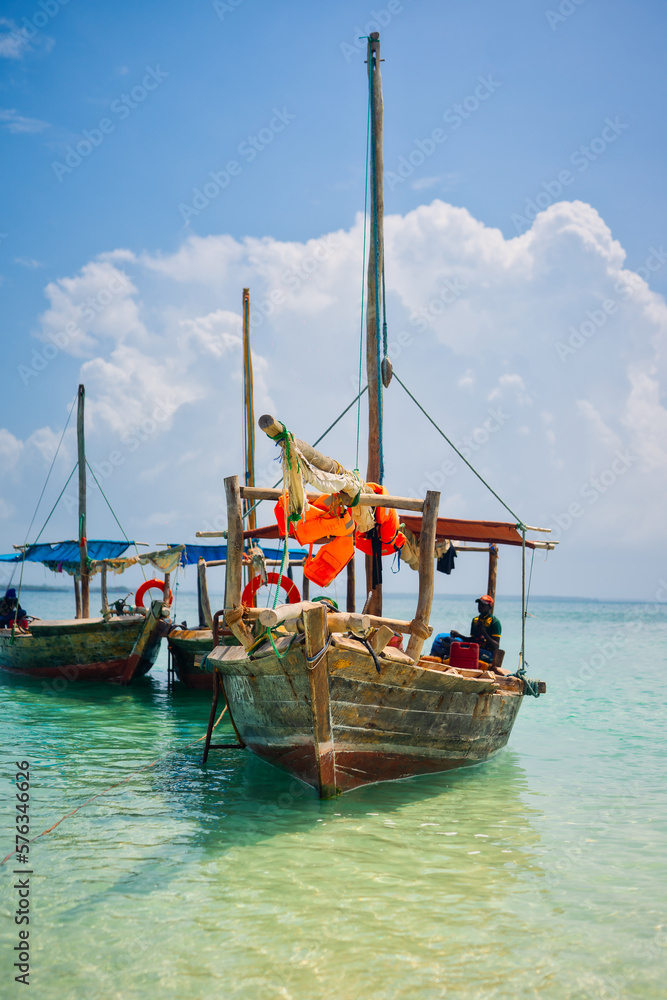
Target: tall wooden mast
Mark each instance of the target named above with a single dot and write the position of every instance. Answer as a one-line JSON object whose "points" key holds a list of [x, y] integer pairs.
{"points": [[83, 545], [374, 472], [248, 407]]}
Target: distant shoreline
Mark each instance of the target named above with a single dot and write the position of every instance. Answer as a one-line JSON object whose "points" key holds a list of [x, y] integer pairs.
{"points": [[45, 589]]}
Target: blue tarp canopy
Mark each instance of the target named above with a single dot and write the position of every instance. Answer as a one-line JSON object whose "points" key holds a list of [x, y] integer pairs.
{"points": [[193, 553], [68, 552]]}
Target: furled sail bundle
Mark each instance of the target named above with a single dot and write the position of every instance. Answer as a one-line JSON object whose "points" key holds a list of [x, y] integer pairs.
{"points": [[336, 515]]}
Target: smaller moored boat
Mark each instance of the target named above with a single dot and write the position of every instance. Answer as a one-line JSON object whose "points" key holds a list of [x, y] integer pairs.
{"points": [[118, 645]]}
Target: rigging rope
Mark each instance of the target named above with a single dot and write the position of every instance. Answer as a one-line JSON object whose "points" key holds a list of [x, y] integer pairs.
{"points": [[25, 548], [48, 476], [41, 495], [520, 523], [146, 767], [114, 516], [530, 687], [320, 438]]}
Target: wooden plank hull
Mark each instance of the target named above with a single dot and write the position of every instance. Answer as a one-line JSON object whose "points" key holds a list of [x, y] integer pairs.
{"points": [[86, 649], [404, 721], [187, 648]]}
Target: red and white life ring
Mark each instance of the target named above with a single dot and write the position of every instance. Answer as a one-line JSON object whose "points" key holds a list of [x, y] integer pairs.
{"points": [[149, 585], [291, 590]]}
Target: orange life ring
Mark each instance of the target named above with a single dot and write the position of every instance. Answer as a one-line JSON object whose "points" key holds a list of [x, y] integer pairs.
{"points": [[291, 590], [148, 585]]}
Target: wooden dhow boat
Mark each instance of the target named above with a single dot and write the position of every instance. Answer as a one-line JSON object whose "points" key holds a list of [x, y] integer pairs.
{"points": [[326, 695], [119, 645]]}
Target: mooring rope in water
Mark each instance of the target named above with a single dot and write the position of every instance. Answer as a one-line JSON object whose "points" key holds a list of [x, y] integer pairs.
{"points": [[146, 767]]}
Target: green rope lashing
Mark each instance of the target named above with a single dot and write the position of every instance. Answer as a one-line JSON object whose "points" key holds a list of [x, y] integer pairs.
{"points": [[314, 445]]}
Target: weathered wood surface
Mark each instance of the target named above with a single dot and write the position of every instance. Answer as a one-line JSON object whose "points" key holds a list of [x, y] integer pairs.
{"points": [[203, 593], [350, 592], [426, 573], [145, 640], [365, 500], [270, 617], [396, 623], [234, 568], [407, 720], [374, 621], [80, 649], [381, 638], [315, 642], [187, 647], [493, 572]]}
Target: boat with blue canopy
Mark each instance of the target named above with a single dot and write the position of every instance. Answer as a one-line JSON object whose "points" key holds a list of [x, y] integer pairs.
{"points": [[118, 645]]}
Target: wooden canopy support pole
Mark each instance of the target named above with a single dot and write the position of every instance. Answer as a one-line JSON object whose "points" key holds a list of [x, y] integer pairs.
{"points": [[493, 571], [316, 635], [103, 588], [77, 598], [426, 575], [234, 568], [205, 614], [350, 585]]}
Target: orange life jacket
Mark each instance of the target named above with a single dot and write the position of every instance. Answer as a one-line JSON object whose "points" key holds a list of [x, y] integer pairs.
{"points": [[386, 519], [325, 518], [329, 561]]}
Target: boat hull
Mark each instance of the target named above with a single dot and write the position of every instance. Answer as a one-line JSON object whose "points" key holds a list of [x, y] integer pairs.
{"points": [[343, 725], [187, 648], [85, 649]]}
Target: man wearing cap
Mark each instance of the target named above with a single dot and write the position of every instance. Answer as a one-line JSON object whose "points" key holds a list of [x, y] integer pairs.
{"points": [[9, 609], [485, 629]]}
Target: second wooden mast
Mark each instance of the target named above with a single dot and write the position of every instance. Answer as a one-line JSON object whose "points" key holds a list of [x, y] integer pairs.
{"points": [[375, 292], [83, 543]]}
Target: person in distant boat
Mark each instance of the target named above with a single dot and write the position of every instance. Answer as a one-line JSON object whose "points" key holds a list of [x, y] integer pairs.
{"points": [[485, 629], [10, 610]]}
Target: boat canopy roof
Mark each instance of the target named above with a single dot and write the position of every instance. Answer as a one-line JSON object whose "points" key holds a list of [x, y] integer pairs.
{"points": [[53, 554], [455, 529]]}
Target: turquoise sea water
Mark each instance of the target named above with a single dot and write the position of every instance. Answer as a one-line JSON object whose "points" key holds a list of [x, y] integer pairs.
{"points": [[538, 875]]}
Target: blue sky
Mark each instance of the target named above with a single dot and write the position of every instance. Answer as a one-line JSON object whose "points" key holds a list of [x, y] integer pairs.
{"points": [[571, 90]]}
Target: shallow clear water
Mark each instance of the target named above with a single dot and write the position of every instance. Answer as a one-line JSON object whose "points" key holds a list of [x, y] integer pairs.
{"points": [[540, 874]]}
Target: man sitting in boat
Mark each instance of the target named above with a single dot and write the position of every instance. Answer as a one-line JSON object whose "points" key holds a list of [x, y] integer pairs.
{"points": [[10, 610], [485, 629]]}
